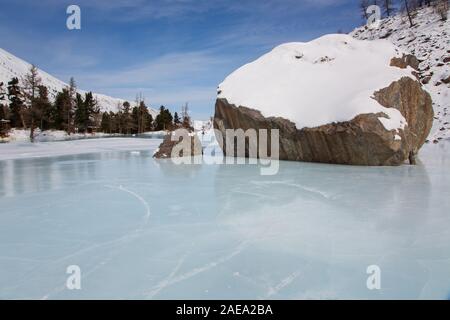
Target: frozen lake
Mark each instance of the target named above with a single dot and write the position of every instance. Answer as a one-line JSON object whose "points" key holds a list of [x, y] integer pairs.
{"points": [[145, 229]]}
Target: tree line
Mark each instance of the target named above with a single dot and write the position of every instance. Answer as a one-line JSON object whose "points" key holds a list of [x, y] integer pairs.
{"points": [[25, 104], [138, 119], [391, 7]]}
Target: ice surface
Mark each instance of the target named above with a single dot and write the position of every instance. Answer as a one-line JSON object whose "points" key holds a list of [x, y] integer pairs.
{"points": [[25, 150], [148, 229]]}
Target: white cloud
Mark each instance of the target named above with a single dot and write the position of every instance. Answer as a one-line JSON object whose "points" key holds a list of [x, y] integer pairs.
{"points": [[165, 70], [170, 80]]}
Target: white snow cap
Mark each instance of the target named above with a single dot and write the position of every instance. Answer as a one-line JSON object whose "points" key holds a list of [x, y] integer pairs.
{"points": [[330, 79]]}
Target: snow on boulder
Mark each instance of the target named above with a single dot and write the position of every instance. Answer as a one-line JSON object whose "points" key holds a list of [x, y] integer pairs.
{"points": [[334, 99]]}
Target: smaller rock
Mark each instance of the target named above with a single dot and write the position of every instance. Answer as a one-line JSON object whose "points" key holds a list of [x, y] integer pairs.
{"points": [[426, 80], [165, 149], [446, 80], [405, 61]]}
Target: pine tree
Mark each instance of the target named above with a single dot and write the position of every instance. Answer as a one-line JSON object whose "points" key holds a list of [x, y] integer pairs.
{"points": [[31, 83], [86, 111], [91, 108], [16, 104], [135, 120], [60, 110], [80, 114], [126, 118], [113, 127], [176, 119], [164, 120], [145, 118], [106, 123], [43, 108]]}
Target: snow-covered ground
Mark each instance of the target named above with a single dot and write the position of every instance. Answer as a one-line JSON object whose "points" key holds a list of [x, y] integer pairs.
{"points": [[141, 228], [329, 79], [429, 41], [21, 135], [27, 150]]}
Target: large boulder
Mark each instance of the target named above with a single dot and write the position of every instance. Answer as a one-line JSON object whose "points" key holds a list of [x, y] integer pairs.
{"points": [[353, 120]]}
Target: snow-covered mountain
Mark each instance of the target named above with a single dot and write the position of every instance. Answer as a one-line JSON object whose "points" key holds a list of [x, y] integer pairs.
{"points": [[12, 66], [429, 41]]}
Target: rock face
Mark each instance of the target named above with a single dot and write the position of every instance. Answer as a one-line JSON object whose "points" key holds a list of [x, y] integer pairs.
{"points": [[165, 149], [360, 141], [405, 61]]}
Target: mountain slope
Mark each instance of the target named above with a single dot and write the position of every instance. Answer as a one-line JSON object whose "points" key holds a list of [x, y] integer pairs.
{"points": [[429, 41], [11, 66]]}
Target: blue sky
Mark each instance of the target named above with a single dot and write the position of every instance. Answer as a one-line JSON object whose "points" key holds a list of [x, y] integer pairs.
{"points": [[173, 51]]}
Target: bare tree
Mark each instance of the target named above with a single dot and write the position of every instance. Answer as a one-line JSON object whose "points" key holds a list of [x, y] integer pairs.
{"points": [[363, 5], [408, 7], [139, 102], [186, 119], [441, 8], [31, 83], [422, 3], [388, 7], [72, 89]]}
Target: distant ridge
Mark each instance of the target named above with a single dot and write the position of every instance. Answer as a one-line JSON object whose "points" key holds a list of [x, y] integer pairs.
{"points": [[12, 66]]}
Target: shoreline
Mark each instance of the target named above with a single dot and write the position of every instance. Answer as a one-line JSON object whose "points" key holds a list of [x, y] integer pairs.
{"points": [[28, 150], [22, 136]]}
